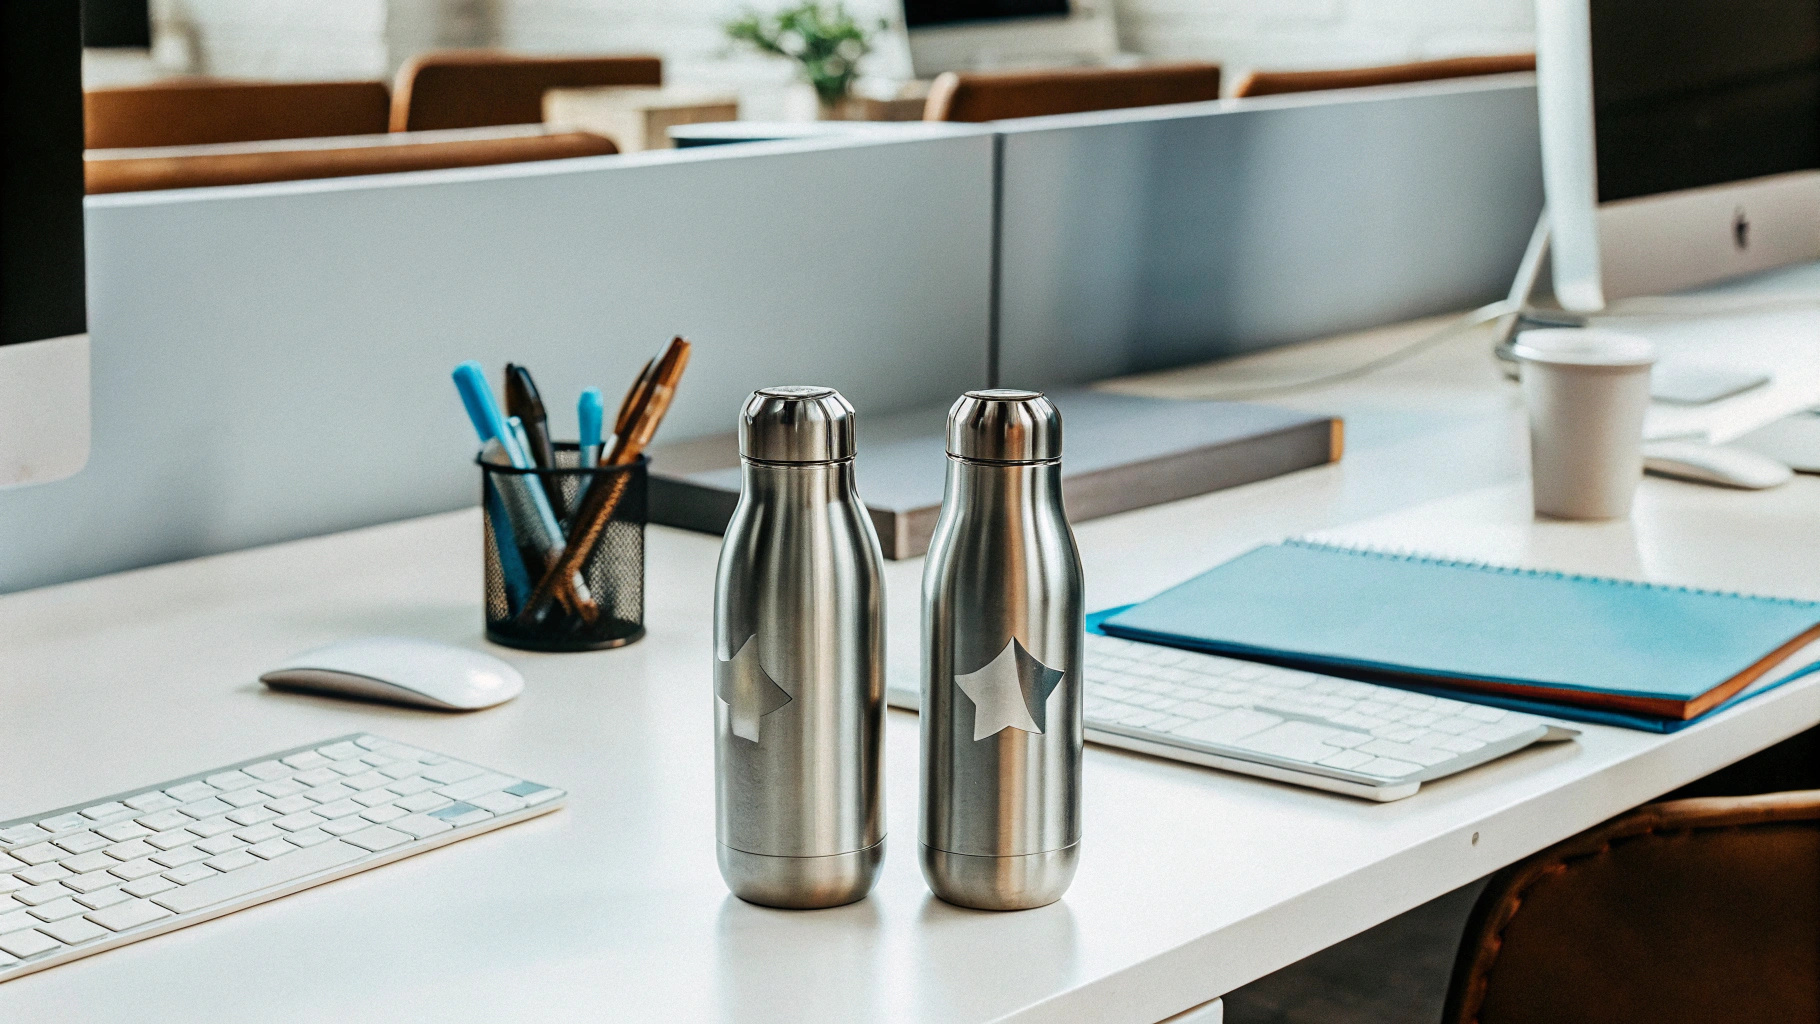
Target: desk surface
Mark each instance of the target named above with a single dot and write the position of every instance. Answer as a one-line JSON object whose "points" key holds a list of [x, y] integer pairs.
{"points": [[1192, 882]]}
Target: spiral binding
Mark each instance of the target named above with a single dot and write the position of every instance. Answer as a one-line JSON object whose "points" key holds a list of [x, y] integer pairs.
{"points": [[1427, 558]]}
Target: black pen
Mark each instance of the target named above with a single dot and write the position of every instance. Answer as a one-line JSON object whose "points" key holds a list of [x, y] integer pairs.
{"points": [[523, 401]]}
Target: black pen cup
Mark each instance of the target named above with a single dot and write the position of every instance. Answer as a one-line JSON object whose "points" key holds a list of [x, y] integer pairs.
{"points": [[530, 517]]}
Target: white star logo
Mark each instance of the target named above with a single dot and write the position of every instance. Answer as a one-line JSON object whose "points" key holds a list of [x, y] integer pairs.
{"points": [[1010, 692], [748, 691]]}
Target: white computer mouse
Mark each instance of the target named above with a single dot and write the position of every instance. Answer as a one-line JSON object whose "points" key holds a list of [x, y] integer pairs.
{"points": [[1714, 464], [399, 670]]}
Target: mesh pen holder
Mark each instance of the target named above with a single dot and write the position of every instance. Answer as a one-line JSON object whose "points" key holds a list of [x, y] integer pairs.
{"points": [[604, 604]]}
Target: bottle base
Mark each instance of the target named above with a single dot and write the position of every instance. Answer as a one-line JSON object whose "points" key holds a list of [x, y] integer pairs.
{"points": [[1000, 883], [801, 883]]}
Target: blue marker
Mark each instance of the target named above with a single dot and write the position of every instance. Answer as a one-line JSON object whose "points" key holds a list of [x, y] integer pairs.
{"points": [[483, 409], [589, 411]]}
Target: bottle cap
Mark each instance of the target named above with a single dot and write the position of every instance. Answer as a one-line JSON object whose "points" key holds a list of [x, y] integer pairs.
{"points": [[796, 423], [1005, 425]]}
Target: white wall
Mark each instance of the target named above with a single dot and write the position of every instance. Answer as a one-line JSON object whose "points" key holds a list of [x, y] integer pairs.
{"points": [[370, 38]]}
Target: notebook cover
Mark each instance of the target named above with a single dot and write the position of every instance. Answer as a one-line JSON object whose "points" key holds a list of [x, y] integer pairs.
{"points": [[1119, 452], [1637, 650]]}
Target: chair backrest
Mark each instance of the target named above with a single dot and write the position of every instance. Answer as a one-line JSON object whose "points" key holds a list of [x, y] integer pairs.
{"points": [[995, 96], [1703, 909], [472, 88], [190, 112], [1271, 83], [142, 170]]}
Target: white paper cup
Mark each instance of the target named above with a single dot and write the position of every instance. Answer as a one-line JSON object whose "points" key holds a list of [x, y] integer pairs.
{"points": [[1587, 390]]}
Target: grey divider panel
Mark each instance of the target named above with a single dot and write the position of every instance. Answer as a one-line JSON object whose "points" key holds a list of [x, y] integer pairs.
{"points": [[1137, 240], [272, 361]]}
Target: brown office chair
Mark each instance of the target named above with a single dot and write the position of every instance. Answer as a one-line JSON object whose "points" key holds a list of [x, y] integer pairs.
{"points": [[189, 112], [1271, 83], [141, 170], [471, 88], [994, 96], [1698, 910]]}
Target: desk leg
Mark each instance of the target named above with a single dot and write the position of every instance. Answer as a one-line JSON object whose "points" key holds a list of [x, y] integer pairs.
{"points": [[1211, 1012]]}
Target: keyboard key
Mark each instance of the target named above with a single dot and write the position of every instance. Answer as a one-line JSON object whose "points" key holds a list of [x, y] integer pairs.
{"points": [[1235, 724], [74, 930], [170, 840], [369, 742], [282, 789], [259, 833], [330, 793], [486, 782], [64, 822], [121, 831], [148, 886], [1423, 756], [15, 920], [307, 759], [399, 770], [348, 767], [230, 861], [9, 883], [43, 873], [252, 815], [1389, 768], [342, 751], [367, 780], [135, 869], [1294, 741], [191, 873], [412, 786], [308, 837], [343, 826], [38, 853], [1345, 760], [373, 797], [179, 857], [102, 898], [376, 838], [420, 802], [226, 781], [81, 842], [292, 804], [28, 943], [206, 808], [165, 820], [269, 849], [338, 809], [91, 881], [102, 812], [1481, 713], [299, 821], [130, 850], [505, 803], [266, 771], [212, 827], [461, 814], [317, 777], [533, 793], [57, 910], [381, 815], [243, 797], [417, 826], [219, 844], [453, 771], [259, 875], [190, 792], [22, 834], [153, 801], [129, 914], [38, 895]]}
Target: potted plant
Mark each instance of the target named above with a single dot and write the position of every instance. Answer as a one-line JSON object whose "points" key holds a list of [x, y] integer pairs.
{"points": [[824, 39]]}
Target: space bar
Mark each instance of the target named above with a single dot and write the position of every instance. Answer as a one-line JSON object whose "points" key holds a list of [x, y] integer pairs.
{"points": [[255, 877]]}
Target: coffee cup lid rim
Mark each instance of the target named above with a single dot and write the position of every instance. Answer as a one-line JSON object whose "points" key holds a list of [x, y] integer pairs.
{"points": [[1583, 346]]}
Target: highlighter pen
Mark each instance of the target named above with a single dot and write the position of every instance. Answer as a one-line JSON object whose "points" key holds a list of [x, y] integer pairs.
{"points": [[590, 410]]}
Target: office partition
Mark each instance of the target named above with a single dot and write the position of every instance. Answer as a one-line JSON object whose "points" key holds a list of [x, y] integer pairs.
{"points": [[272, 361], [1137, 240]]}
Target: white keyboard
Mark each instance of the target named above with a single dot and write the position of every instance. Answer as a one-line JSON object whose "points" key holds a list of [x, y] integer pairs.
{"points": [[82, 879], [1376, 742]]}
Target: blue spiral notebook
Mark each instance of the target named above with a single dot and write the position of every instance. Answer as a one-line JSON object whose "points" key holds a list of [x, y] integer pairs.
{"points": [[1597, 649]]}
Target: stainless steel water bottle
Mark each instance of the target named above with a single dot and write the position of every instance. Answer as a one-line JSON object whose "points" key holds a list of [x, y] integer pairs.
{"points": [[1002, 662], [799, 662]]}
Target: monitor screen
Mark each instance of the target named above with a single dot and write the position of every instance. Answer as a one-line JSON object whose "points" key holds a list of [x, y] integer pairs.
{"points": [[41, 265], [927, 13], [1702, 92]]}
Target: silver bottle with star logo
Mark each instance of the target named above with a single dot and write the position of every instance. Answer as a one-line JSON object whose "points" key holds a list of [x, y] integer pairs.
{"points": [[1002, 661], [799, 652]]}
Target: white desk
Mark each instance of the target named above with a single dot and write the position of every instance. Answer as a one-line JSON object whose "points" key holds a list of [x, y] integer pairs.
{"points": [[1192, 882]]}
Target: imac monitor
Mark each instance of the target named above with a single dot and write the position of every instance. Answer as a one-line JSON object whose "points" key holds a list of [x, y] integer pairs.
{"points": [[988, 35], [44, 376], [1680, 141]]}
